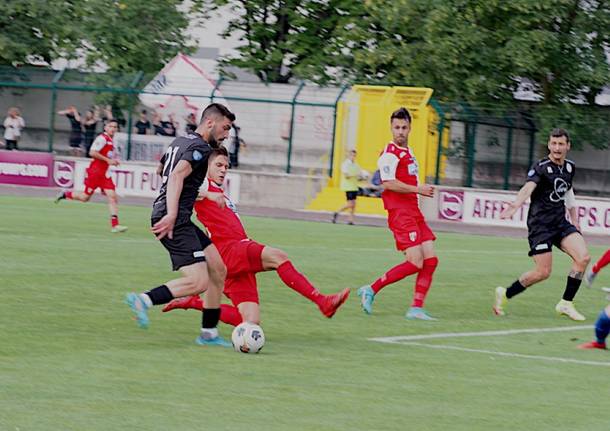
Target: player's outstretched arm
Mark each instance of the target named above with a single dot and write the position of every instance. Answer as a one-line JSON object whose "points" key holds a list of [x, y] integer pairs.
{"points": [[523, 195]]}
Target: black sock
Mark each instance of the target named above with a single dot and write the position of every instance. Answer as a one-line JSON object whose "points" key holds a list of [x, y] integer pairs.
{"points": [[572, 286], [160, 295], [210, 318], [515, 289]]}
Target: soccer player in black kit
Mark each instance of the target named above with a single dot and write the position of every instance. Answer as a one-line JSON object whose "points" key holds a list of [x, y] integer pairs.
{"points": [[549, 183], [183, 168]]}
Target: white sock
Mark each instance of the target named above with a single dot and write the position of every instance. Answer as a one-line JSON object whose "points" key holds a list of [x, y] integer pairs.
{"points": [[209, 333], [147, 301]]}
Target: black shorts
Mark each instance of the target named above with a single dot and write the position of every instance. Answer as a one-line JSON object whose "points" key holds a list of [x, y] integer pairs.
{"points": [[187, 245], [351, 196], [541, 241]]}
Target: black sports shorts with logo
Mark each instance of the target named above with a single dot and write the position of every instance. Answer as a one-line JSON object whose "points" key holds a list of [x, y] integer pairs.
{"points": [[542, 240], [187, 245]]}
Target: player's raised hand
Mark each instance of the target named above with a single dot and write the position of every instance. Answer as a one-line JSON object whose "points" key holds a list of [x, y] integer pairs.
{"points": [[426, 190], [164, 227]]}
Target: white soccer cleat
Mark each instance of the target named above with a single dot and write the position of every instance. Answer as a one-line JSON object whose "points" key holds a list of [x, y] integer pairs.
{"points": [[500, 301], [567, 308], [589, 277], [118, 229]]}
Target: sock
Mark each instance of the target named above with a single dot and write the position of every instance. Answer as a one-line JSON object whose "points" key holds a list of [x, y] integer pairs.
{"points": [[602, 327], [298, 282], [393, 275], [423, 282], [230, 315], [603, 261], [114, 220], [210, 318], [159, 295], [514, 289], [572, 286], [68, 195]]}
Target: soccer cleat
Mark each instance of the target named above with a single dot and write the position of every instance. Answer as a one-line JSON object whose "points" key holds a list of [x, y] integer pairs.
{"points": [[500, 301], [59, 197], [335, 215], [139, 308], [589, 277], [331, 303], [418, 313], [188, 302], [367, 296], [118, 229], [567, 308], [216, 341], [593, 345]]}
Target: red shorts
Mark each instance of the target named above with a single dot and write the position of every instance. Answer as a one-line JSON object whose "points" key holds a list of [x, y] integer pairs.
{"points": [[409, 228], [241, 288], [95, 180], [241, 257]]}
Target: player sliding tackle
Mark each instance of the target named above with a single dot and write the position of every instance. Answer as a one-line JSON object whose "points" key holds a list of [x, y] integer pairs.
{"points": [[244, 257], [401, 189], [549, 184]]}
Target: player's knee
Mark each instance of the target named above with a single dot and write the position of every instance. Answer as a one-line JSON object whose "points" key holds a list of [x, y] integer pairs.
{"points": [[278, 256], [583, 260], [417, 261], [543, 274], [218, 271]]}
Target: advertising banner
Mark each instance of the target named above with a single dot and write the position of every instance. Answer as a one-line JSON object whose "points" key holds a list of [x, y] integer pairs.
{"points": [[26, 168]]}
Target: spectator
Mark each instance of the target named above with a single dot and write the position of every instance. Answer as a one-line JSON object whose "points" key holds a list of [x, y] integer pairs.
{"points": [[158, 125], [235, 142], [76, 132], [170, 126], [350, 173], [90, 125], [191, 123], [374, 188], [143, 125], [13, 124]]}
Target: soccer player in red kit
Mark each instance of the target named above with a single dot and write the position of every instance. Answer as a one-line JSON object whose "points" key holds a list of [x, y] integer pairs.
{"points": [[244, 257], [592, 272], [101, 152], [398, 168]]}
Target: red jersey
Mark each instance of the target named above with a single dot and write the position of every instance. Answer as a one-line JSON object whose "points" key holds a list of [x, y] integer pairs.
{"points": [[102, 144], [223, 224], [398, 163]]}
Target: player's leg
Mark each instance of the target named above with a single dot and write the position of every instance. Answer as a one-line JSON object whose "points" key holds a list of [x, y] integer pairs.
{"points": [[423, 283], [592, 272], [542, 270], [276, 259], [72, 195], [250, 312], [602, 329], [574, 245], [218, 274], [113, 207]]}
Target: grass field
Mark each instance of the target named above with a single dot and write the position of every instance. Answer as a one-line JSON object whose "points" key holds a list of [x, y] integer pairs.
{"points": [[71, 357]]}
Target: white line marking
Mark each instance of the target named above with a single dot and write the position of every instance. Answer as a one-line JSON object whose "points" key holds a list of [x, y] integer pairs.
{"points": [[510, 354], [402, 339]]}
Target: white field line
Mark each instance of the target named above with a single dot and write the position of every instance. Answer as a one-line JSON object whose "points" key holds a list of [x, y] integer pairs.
{"points": [[405, 338], [509, 354]]}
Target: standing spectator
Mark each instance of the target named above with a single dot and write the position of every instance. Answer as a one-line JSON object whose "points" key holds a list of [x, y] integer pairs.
{"points": [[350, 173], [13, 124], [90, 125], [76, 132], [191, 123], [143, 125], [234, 143], [170, 125], [106, 115]]}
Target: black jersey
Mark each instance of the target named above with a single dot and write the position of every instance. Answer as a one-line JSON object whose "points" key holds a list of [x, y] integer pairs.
{"points": [[547, 208], [196, 151]]}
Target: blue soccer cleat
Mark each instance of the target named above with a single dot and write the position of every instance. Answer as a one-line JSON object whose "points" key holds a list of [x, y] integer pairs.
{"points": [[418, 313], [367, 296], [216, 341], [139, 308]]}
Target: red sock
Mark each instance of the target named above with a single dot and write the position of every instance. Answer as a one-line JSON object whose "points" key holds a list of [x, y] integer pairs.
{"points": [[298, 282], [395, 274], [423, 282], [114, 220], [603, 261], [68, 195], [230, 315]]}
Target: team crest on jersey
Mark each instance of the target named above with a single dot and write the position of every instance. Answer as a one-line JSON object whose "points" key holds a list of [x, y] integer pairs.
{"points": [[402, 154], [197, 155], [413, 168], [531, 173], [549, 169], [412, 236], [569, 168]]}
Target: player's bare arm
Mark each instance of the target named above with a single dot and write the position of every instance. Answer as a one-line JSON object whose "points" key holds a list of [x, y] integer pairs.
{"points": [[175, 182], [400, 187], [523, 195], [160, 169], [97, 155], [570, 201]]}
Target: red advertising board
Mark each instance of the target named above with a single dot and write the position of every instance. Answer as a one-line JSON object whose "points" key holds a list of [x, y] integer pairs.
{"points": [[26, 168]]}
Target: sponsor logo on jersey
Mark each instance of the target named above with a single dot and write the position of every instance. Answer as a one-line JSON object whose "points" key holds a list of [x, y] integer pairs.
{"points": [[197, 155], [561, 188], [549, 169]]}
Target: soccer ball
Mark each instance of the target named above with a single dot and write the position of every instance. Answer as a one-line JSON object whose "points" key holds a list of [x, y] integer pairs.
{"points": [[248, 338]]}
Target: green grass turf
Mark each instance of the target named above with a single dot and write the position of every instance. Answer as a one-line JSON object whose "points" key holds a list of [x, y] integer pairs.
{"points": [[71, 357]]}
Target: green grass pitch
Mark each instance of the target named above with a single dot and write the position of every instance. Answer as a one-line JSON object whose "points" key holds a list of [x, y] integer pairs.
{"points": [[72, 358]]}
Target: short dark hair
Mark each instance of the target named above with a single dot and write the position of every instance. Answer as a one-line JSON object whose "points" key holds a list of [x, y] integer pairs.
{"points": [[558, 133], [144, 111], [113, 120], [217, 110], [218, 151], [402, 114]]}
